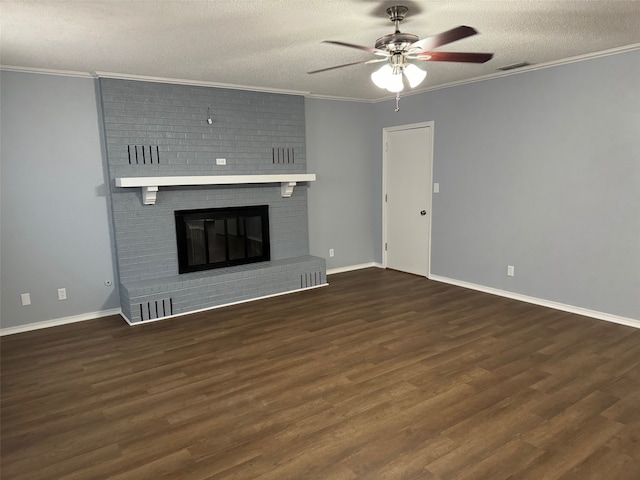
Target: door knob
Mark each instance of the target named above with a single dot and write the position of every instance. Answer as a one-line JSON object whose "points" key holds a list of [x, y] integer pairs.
{"points": [[423, 213]]}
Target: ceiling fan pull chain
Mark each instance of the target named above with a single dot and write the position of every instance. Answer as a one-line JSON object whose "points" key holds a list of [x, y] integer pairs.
{"points": [[397, 102]]}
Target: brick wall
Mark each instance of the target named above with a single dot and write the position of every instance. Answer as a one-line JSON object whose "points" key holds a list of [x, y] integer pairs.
{"points": [[246, 127], [158, 129]]}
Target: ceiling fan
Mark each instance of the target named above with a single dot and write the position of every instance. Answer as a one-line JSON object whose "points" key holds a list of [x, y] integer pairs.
{"points": [[399, 50]]}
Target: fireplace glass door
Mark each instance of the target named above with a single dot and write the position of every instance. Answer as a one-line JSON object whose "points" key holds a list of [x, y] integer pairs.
{"points": [[222, 237]]}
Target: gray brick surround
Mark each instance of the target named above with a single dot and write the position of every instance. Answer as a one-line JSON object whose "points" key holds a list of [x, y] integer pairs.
{"points": [[158, 129]]}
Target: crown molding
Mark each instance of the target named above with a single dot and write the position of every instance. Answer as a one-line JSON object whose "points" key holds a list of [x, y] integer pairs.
{"points": [[530, 68], [45, 71], [339, 99], [145, 78], [196, 83], [202, 83]]}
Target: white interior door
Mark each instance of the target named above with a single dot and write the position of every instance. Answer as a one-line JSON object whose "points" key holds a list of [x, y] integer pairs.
{"points": [[407, 217]]}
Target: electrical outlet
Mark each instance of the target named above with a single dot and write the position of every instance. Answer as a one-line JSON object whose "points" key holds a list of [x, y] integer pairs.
{"points": [[26, 299], [62, 294], [436, 188], [511, 270], [221, 161], [331, 252]]}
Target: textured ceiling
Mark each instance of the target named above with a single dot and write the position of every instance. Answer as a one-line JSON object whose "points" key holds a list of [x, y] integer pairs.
{"points": [[271, 44]]}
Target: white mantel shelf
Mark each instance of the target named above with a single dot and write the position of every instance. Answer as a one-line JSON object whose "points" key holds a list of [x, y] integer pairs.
{"points": [[150, 185]]}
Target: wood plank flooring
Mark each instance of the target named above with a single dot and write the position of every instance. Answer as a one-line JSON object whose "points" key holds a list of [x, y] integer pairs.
{"points": [[381, 375]]}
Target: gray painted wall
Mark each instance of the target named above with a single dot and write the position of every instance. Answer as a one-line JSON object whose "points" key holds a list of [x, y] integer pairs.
{"points": [[55, 228], [540, 170], [341, 150]]}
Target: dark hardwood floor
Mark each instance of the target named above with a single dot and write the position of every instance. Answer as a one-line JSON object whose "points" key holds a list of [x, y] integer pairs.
{"points": [[381, 375]]}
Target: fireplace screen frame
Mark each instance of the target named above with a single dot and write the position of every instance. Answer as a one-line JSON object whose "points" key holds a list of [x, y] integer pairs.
{"points": [[232, 218]]}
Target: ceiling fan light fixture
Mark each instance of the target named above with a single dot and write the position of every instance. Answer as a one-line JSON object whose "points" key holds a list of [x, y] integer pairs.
{"points": [[380, 76], [395, 84], [389, 78], [414, 74], [400, 48]]}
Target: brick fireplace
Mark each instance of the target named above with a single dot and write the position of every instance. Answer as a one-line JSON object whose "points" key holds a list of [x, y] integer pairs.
{"points": [[161, 131]]}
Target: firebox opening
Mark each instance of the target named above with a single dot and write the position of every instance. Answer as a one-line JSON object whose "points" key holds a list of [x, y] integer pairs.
{"points": [[222, 237]]}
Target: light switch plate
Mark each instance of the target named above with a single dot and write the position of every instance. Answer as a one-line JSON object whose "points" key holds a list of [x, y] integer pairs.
{"points": [[26, 299]]}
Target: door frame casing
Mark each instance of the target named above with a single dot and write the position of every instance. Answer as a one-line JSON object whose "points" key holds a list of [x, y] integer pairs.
{"points": [[385, 133]]}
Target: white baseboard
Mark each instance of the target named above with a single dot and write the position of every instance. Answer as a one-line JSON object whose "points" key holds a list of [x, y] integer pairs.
{"points": [[629, 322], [351, 268], [59, 321], [145, 322]]}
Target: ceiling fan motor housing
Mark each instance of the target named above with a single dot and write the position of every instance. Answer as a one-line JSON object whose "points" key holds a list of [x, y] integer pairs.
{"points": [[395, 42]]}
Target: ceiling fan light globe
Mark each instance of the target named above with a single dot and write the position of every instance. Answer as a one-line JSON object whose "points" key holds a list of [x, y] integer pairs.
{"points": [[388, 78], [395, 83], [382, 76], [414, 75]]}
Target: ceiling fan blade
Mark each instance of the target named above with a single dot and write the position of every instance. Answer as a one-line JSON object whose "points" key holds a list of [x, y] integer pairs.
{"points": [[454, 57], [348, 65], [375, 51], [435, 41]]}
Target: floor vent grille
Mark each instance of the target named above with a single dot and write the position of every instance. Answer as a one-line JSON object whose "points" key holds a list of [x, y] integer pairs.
{"points": [[156, 309], [311, 279]]}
